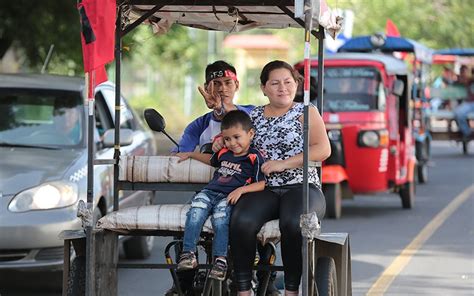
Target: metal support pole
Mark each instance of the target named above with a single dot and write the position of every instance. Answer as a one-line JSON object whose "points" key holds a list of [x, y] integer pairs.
{"points": [[90, 81], [118, 58], [308, 11]]}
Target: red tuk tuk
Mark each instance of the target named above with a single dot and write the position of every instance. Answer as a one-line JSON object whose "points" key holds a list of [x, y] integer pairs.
{"points": [[368, 119]]}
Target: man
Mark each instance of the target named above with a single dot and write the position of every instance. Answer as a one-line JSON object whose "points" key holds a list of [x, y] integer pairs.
{"points": [[218, 92], [461, 112]]}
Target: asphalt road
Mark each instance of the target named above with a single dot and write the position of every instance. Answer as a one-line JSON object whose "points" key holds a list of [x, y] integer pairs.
{"points": [[439, 259], [427, 250]]}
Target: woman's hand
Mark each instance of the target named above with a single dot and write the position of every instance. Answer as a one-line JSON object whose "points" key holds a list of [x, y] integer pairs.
{"points": [[234, 196], [217, 144], [211, 97], [272, 166], [183, 156]]}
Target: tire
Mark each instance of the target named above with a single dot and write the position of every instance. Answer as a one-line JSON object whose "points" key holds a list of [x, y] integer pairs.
{"points": [[465, 149], [407, 195], [326, 276], [422, 173], [76, 284], [423, 156], [333, 195]]}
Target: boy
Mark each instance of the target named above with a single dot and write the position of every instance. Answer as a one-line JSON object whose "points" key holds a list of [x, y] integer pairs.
{"points": [[238, 173]]}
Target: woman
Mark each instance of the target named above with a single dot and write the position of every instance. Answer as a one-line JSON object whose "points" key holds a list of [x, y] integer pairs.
{"points": [[279, 135]]}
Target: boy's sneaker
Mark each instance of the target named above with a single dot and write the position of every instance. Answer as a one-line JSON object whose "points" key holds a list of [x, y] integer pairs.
{"points": [[219, 269], [187, 260]]}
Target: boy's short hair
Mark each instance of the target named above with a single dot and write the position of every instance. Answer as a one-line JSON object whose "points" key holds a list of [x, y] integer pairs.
{"points": [[236, 118]]}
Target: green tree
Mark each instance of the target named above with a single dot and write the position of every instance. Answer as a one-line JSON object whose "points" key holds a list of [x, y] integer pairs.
{"points": [[435, 23], [32, 26]]}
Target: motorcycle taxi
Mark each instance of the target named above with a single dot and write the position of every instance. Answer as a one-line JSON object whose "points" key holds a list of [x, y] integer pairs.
{"points": [[419, 58], [368, 120]]}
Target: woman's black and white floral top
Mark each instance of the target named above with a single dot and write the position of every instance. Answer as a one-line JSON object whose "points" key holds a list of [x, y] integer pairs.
{"points": [[280, 138]]}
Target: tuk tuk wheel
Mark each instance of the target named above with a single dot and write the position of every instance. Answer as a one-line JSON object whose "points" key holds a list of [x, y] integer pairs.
{"points": [[465, 144], [423, 156], [407, 194], [333, 195], [326, 276], [422, 173], [76, 284]]}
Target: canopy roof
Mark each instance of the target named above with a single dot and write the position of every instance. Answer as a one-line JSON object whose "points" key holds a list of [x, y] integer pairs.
{"points": [[222, 15], [468, 52], [388, 44]]}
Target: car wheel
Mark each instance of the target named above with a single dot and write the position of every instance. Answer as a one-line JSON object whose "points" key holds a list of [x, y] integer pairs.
{"points": [[333, 195], [326, 276], [76, 285]]}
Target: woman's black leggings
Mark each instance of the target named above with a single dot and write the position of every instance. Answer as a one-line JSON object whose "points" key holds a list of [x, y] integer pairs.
{"points": [[255, 209]]}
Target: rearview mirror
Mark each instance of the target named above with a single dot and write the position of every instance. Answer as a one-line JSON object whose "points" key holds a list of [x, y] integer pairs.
{"points": [[157, 123], [126, 137], [398, 87], [154, 120]]}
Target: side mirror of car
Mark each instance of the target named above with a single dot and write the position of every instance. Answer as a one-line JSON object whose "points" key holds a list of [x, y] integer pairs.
{"points": [[398, 87], [126, 137]]}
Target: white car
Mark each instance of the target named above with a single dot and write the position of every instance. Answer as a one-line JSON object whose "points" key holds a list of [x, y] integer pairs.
{"points": [[43, 166]]}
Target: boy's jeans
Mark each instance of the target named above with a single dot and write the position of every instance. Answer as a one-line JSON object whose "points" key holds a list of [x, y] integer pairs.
{"points": [[204, 204]]}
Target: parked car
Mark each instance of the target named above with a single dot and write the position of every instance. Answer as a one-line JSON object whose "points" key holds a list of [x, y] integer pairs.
{"points": [[43, 166]]}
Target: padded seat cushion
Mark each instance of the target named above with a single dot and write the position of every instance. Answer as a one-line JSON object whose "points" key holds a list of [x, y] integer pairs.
{"points": [[169, 217], [163, 169]]}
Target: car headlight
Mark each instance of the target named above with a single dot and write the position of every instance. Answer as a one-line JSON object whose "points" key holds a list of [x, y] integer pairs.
{"points": [[49, 195]]}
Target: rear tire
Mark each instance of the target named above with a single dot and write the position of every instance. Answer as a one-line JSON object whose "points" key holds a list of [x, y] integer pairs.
{"points": [[326, 276], [407, 194], [423, 156], [333, 195], [422, 173], [465, 149]]}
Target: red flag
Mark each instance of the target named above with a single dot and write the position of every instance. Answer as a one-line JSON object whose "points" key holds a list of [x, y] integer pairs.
{"points": [[97, 35], [391, 29]]}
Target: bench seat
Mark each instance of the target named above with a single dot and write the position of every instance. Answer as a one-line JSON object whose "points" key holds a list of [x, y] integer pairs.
{"points": [[168, 218]]}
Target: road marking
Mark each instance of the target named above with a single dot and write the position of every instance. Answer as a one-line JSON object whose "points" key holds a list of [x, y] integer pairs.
{"points": [[398, 264]]}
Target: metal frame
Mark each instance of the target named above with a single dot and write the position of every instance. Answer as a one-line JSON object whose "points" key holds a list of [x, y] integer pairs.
{"points": [[95, 240]]}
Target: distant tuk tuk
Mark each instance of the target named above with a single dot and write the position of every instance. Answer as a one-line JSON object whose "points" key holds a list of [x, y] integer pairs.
{"points": [[92, 268], [420, 60], [446, 95], [367, 113]]}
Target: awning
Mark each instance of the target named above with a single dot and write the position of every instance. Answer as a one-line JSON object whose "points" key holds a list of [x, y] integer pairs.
{"points": [[388, 44]]}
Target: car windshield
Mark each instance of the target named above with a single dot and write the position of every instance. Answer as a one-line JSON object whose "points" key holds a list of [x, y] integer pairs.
{"points": [[40, 118], [348, 88]]}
